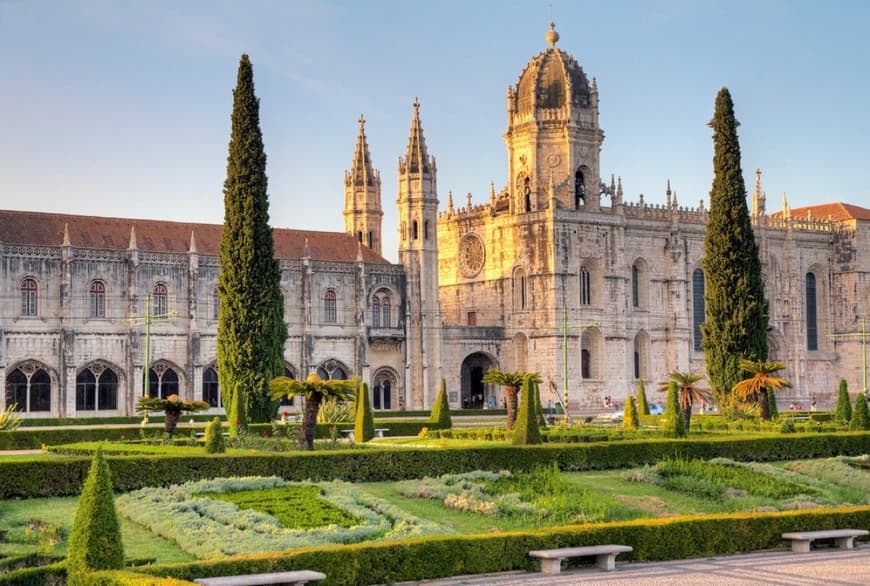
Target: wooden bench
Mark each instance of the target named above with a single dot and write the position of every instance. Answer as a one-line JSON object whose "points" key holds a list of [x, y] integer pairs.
{"points": [[605, 556], [843, 538], [380, 432], [299, 577]]}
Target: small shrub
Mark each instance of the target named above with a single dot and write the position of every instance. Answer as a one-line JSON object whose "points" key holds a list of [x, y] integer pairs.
{"points": [[642, 405], [629, 418], [844, 405], [673, 425], [214, 437], [440, 416], [526, 431], [364, 426], [860, 420], [95, 540], [787, 426]]}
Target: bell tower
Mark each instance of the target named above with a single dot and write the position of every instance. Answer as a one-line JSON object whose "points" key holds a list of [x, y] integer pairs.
{"points": [[418, 253], [362, 195], [553, 131]]}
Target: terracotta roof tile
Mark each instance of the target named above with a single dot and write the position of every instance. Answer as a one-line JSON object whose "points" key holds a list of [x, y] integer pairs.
{"points": [[47, 229], [838, 211]]}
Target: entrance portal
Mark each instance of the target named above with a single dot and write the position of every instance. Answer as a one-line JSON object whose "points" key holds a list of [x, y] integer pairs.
{"points": [[473, 387]]}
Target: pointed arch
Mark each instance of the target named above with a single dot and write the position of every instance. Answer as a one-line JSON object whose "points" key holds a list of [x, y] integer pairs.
{"points": [[640, 355], [333, 369], [165, 379], [97, 386], [519, 288], [385, 386], [31, 385], [474, 391], [591, 350]]}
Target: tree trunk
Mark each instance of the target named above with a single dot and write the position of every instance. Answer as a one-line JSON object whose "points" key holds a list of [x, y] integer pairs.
{"points": [[687, 415], [309, 419], [170, 420], [763, 406], [510, 394]]}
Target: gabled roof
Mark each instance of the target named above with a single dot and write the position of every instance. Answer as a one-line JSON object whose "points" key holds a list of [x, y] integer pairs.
{"points": [[47, 229], [837, 211]]}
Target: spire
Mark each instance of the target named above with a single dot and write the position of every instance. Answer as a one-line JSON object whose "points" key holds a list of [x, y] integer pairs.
{"points": [[786, 211], [758, 204], [361, 171], [668, 193], [416, 158], [66, 240], [133, 245], [450, 201], [492, 192]]}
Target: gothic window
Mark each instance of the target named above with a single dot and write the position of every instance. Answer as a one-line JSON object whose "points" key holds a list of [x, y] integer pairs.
{"points": [[359, 236], [331, 370], [29, 386], [579, 189], [698, 308], [635, 286], [376, 313], [96, 388], [527, 194], [330, 312], [371, 239], [98, 299], [160, 296], [591, 354], [641, 355], [812, 313], [215, 304], [28, 297], [385, 312], [520, 290], [426, 229], [404, 230], [639, 284], [382, 390], [210, 387], [585, 287], [585, 363], [162, 381], [414, 234]]}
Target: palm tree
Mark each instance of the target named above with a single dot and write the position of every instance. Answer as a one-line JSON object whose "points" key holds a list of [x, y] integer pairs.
{"points": [[172, 407], [761, 382], [315, 390], [689, 392], [512, 382]]}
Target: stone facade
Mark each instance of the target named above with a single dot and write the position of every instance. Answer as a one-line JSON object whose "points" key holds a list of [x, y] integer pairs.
{"points": [[554, 273]]}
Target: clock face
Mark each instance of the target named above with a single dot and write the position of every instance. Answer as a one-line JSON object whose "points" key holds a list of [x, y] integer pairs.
{"points": [[472, 255]]}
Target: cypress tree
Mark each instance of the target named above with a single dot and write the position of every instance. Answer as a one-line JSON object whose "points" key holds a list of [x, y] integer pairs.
{"points": [[439, 418], [214, 437], [526, 430], [629, 417], [251, 331], [364, 425], [540, 416], [673, 424], [843, 414], [773, 408], [642, 405], [95, 539], [860, 420], [736, 312]]}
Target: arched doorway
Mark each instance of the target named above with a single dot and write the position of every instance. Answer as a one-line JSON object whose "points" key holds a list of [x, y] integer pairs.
{"points": [[473, 388]]}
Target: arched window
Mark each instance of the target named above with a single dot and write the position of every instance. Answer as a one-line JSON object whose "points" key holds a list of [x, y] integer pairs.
{"points": [[98, 299], [698, 308], [519, 290], [585, 363], [579, 189], [385, 312], [215, 304], [426, 229], [527, 194], [162, 381], [376, 312], [812, 314], [382, 390], [585, 287], [29, 386], [641, 355], [330, 312], [160, 298], [359, 236], [591, 351], [28, 297], [211, 393], [96, 388], [414, 234], [331, 370], [404, 231], [371, 239]]}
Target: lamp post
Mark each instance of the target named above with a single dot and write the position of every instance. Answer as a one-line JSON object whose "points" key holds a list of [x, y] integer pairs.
{"points": [[147, 319], [863, 336], [564, 327]]}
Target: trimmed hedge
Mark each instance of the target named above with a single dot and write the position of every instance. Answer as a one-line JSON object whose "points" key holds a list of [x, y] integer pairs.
{"points": [[31, 477], [443, 556]]}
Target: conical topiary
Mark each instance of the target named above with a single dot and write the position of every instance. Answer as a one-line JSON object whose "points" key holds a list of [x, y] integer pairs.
{"points": [[860, 420], [526, 430], [214, 437], [95, 540], [642, 405], [540, 416], [440, 416], [629, 417], [364, 426], [773, 409], [673, 424], [844, 405]]}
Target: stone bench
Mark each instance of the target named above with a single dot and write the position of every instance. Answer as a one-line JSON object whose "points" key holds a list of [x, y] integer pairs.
{"points": [[297, 578], [843, 538], [605, 556], [347, 433], [380, 432]]}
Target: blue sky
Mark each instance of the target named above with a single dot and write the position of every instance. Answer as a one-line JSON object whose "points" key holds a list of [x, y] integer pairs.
{"points": [[123, 108]]}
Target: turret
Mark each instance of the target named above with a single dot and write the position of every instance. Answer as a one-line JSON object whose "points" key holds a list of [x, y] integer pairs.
{"points": [[362, 195]]}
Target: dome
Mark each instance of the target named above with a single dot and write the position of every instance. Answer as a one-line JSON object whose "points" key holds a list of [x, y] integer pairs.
{"points": [[552, 79]]}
